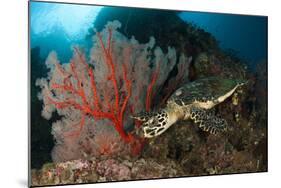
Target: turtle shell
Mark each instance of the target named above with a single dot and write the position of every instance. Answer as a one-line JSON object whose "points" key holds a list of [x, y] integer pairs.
{"points": [[203, 90]]}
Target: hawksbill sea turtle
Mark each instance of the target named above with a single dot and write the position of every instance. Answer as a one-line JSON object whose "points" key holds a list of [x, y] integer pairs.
{"points": [[194, 101]]}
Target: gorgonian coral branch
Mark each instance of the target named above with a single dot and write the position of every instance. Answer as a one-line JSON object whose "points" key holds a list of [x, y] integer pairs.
{"points": [[114, 114], [149, 91], [97, 96]]}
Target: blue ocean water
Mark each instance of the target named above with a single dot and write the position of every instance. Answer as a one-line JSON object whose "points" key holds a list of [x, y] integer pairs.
{"points": [[58, 26], [55, 26], [246, 35]]}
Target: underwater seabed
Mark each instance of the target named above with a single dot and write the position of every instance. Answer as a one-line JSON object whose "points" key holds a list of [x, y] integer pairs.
{"points": [[87, 105], [183, 150]]}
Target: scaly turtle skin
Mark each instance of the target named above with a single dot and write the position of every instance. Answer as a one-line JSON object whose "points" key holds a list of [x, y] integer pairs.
{"points": [[192, 101]]}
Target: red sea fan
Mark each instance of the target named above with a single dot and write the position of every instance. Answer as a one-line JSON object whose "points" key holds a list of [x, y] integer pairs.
{"points": [[121, 77]]}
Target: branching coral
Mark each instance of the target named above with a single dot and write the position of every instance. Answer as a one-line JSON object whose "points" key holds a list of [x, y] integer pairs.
{"points": [[103, 90]]}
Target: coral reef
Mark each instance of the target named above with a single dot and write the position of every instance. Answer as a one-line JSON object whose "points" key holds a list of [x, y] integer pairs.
{"points": [[90, 95], [243, 148], [218, 64], [103, 170], [90, 99]]}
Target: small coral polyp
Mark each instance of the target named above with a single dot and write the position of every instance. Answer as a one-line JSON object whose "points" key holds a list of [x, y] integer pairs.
{"points": [[121, 77]]}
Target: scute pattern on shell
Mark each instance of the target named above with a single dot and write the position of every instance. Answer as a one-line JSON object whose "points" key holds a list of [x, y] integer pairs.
{"points": [[202, 90]]}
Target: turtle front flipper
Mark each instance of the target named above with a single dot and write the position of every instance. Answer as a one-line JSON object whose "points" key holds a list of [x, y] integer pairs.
{"points": [[208, 121], [154, 123]]}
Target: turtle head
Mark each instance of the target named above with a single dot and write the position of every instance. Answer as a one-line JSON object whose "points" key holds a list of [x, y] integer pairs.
{"points": [[153, 123]]}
